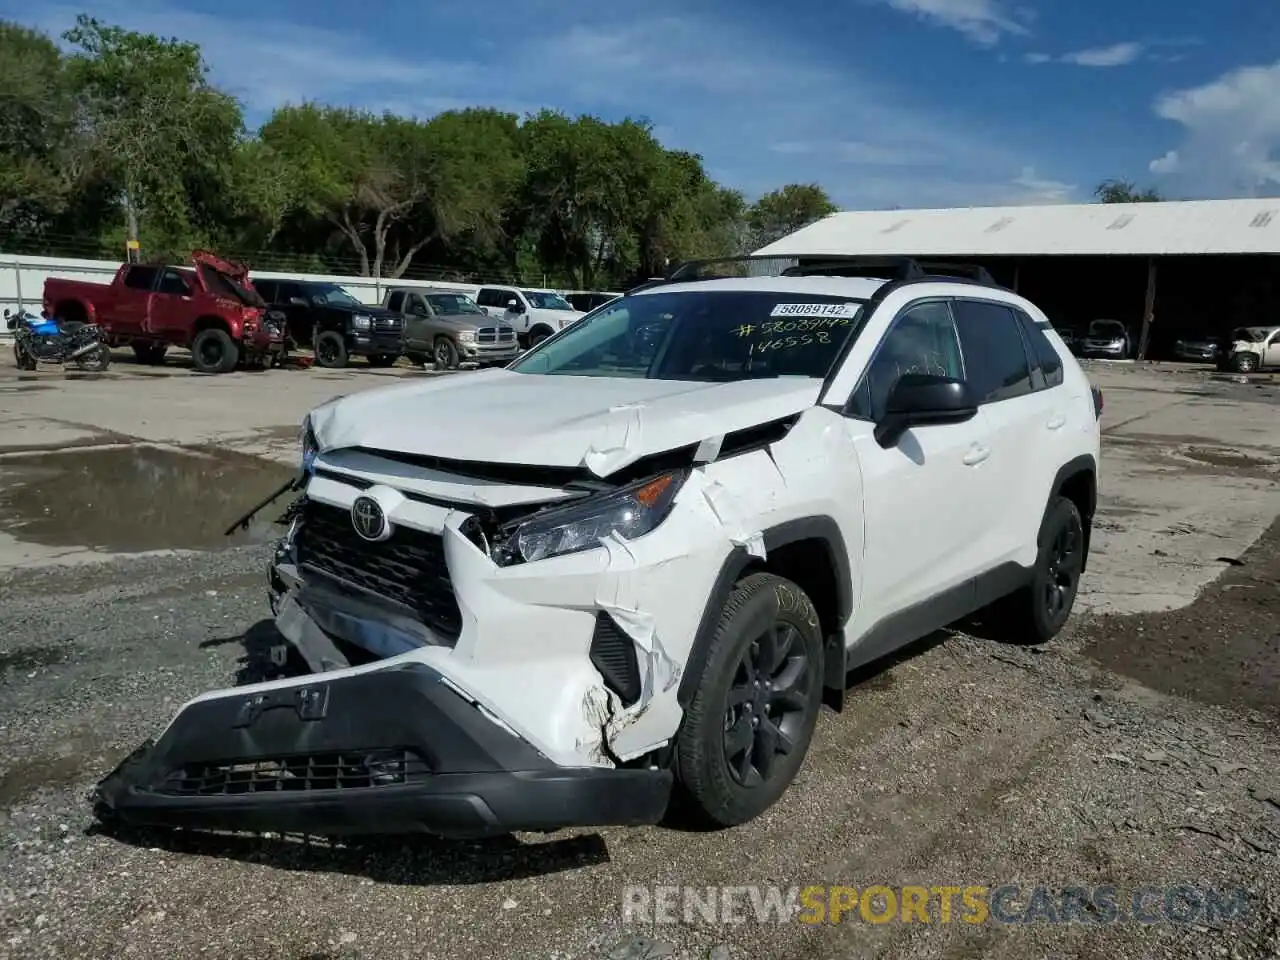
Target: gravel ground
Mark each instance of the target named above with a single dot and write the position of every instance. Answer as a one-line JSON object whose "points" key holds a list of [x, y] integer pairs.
{"points": [[966, 762]]}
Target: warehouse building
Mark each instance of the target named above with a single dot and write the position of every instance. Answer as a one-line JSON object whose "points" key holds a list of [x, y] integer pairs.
{"points": [[1167, 270]]}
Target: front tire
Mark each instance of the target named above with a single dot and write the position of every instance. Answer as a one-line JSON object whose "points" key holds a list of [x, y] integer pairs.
{"points": [[213, 351], [445, 354], [538, 335], [748, 727], [331, 350], [1244, 362]]}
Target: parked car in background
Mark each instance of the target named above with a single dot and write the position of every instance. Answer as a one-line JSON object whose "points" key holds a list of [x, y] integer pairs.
{"points": [[588, 300], [1070, 335], [1106, 339], [329, 320], [534, 314], [208, 308], [1197, 347], [1249, 349], [449, 328]]}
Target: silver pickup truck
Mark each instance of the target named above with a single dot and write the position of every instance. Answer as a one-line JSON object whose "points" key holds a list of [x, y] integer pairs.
{"points": [[449, 329]]}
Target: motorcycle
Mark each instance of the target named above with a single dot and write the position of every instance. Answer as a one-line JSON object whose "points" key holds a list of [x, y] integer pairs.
{"points": [[44, 339]]}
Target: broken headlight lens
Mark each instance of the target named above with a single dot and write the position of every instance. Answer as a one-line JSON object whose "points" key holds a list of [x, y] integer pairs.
{"points": [[310, 448], [630, 513]]}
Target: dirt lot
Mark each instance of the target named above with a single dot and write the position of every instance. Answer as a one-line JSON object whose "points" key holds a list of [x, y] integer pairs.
{"points": [[1141, 750]]}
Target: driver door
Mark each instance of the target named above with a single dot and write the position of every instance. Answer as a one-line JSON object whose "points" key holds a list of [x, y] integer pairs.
{"points": [[924, 503], [1271, 356], [417, 323], [170, 312]]}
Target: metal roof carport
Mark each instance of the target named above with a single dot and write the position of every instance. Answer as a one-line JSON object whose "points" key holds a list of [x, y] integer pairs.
{"points": [[1008, 236]]}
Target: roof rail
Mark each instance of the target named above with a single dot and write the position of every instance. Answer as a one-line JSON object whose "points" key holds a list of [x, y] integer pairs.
{"points": [[893, 269]]}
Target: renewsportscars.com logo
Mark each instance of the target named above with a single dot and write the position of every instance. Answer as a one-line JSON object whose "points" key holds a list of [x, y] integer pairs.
{"points": [[879, 903]]}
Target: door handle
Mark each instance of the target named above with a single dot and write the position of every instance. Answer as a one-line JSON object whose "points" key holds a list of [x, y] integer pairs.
{"points": [[1056, 421], [977, 453]]}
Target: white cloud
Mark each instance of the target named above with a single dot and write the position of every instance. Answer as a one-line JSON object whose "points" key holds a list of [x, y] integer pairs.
{"points": [[1115, 55], [1230, 134], [982, 21], [760, 112]]}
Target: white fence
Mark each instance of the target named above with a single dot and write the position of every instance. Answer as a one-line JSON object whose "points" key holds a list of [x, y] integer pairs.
{"points": [[22, 280]]}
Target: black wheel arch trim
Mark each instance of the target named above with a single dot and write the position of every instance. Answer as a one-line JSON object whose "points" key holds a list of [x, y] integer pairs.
{"points": [[1085, 463], [821, 528]]}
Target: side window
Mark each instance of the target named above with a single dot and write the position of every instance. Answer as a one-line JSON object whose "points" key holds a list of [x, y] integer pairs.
{"points": [[141, 278], [921, 340], [996, 358], [1045, 354], [266, 289], [172, 282], [418, 306], [489, 298], [396, 301], [287, 291]]}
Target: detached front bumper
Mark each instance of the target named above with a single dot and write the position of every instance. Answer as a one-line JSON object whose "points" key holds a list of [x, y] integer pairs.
{"points": [[388, 751]]}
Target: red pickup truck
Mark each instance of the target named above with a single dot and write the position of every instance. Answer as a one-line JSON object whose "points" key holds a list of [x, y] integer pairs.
{"points": [[209, 308]]}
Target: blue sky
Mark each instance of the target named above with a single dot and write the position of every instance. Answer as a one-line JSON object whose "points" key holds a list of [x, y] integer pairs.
{"points": [[884, 102]]}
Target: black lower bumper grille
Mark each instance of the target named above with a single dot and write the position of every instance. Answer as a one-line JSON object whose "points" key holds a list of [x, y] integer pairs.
{"points": [[408, 569], [325, 771]]}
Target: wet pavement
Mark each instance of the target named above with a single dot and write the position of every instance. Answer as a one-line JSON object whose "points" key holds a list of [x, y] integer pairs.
{"points": [[133, 499]]}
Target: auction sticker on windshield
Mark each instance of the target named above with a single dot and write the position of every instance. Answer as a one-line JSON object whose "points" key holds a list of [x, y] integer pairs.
{"points": [[841, 310]]}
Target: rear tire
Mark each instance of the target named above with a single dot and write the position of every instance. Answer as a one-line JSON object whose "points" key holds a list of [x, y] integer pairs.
{"points": [[97, 361], [749, 725], [213, 351], [331, 350], [1038, 612]]}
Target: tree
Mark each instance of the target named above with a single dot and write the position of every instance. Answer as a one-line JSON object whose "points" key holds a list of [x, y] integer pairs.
{"points": [[40, 163], [786, 210], [1125, 191], [156, 127]]}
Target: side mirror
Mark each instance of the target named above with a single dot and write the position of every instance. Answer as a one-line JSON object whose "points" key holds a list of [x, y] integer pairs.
{"points": [[515, 306], [920, 399], [298, 302]]}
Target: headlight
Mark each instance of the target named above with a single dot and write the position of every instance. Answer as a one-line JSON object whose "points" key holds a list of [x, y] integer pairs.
{"points": [[467, 335], [565, 323], [310, 448], [361, 321], [630, 512]]}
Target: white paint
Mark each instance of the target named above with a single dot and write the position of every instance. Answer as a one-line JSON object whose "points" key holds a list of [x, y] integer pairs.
{"points": [[916, 518]]}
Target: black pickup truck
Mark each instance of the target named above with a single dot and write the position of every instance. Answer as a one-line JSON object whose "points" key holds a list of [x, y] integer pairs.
{"points": [[333, 323]]}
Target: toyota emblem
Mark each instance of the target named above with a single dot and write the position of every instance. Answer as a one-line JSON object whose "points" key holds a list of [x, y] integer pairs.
{"points": [[369, 519]]}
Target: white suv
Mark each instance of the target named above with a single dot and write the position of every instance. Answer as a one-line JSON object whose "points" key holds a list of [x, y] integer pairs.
{"points": [[642, 557]]}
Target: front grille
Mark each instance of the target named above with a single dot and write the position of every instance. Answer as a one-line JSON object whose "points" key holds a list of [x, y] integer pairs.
{"points": [[409, 568], [387, 324], [356, 770], [495, 335]]}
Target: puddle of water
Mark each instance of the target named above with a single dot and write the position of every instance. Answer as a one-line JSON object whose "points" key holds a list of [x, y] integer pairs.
{"points": [[136, 499]]}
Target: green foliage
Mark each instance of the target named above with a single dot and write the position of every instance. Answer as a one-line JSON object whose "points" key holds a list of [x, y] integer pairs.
{"points": [[125, 137], [1124, 191]]}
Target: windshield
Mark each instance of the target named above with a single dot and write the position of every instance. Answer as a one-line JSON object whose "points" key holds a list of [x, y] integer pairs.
{"points": [[546, 301], [221, 285], [330, 294], [1106, 328], [449, 303], [702, 335]]}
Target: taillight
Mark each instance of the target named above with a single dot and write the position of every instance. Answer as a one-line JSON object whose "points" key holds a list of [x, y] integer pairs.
{"points": [[1097, 403]]}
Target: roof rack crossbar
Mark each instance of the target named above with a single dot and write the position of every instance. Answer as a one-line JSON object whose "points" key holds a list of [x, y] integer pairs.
{"points": [[895, 269]]}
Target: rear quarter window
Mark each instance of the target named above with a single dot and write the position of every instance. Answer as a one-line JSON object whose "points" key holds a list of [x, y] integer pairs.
{"points": [[1044, 352]]}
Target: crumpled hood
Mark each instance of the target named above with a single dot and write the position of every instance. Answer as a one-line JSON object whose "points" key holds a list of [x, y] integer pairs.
{"points": [[603, 424]]}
